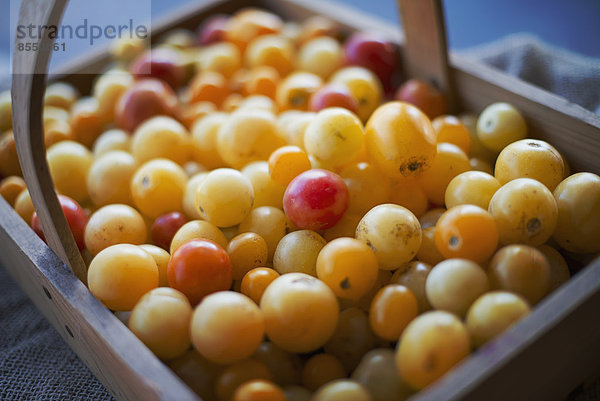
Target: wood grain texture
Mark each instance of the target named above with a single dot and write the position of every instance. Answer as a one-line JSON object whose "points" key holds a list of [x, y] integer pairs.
{"points": [[120, 361], [28, 87], [426, 48]]}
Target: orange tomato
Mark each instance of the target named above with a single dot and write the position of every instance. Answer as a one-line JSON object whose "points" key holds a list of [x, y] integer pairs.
{"points": [[467, 231], [256, 281], [450, 129], [449, 162], [400, 156], [209, 86], [199, 267]]}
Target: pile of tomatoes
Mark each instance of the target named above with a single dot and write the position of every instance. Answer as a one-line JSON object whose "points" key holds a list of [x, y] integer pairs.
{"points": [[274, 216]]}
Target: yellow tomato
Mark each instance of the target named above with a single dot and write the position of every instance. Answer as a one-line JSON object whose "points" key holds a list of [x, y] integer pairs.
{"points": [[364, 86], [348, 266], [109, 177], [450, 129], [392, 309], [392, 232], [157, 187], [367, 187], [578, 201], [335, 137], [161, 137], [161, 319], [69, 163], [521, 269], [300, 311], [225, 197], [227, 327], [294, 91], [247, 135], [246, 251], [120, 274], [499, 125], [431, 345], [492, 313], [525, 212], [471, 188], [449, 162], [400, 140], [197, 229], [530, 158]]}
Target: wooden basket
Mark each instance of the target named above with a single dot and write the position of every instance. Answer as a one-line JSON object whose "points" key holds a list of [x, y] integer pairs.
{"points": [[543, 357]]}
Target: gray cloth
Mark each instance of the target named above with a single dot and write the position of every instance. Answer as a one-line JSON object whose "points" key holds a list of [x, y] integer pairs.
{"points": [[35, 363], [570, 75]]}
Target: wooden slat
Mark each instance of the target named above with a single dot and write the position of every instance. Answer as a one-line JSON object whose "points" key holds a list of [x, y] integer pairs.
{"points": [[120, 361], [426, 49], [28, 87]]}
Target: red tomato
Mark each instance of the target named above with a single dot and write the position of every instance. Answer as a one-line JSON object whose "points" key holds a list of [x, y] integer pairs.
{"points": [[212, 30], [199, 267], [164, 228], [160, 63], [316, 199], [76, 218]]}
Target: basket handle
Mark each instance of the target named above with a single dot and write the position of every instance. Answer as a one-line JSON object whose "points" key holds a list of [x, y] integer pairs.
{"points": [[28, 88], [425, 45]]}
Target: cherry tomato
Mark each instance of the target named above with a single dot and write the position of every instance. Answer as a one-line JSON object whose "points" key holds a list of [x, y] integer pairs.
{"points": [[286, 163], [499, 125], [256, 281], [530, 158], [431, 344], [525, 212], [199, 267], [164, 228], [492, 313], [301, 312], [259, 390], [466, 231], [578, 201], [320, 369], [162, 63], [144, 99], [316, 199], [352, 337], [454, 284], [522, 270], [450, 129], [400, 156], [342, 390], [286, 366], [377, 372], [348, 266], [212, 29], [392, 309], [76, 218], [226, 327], [423, 95]]}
